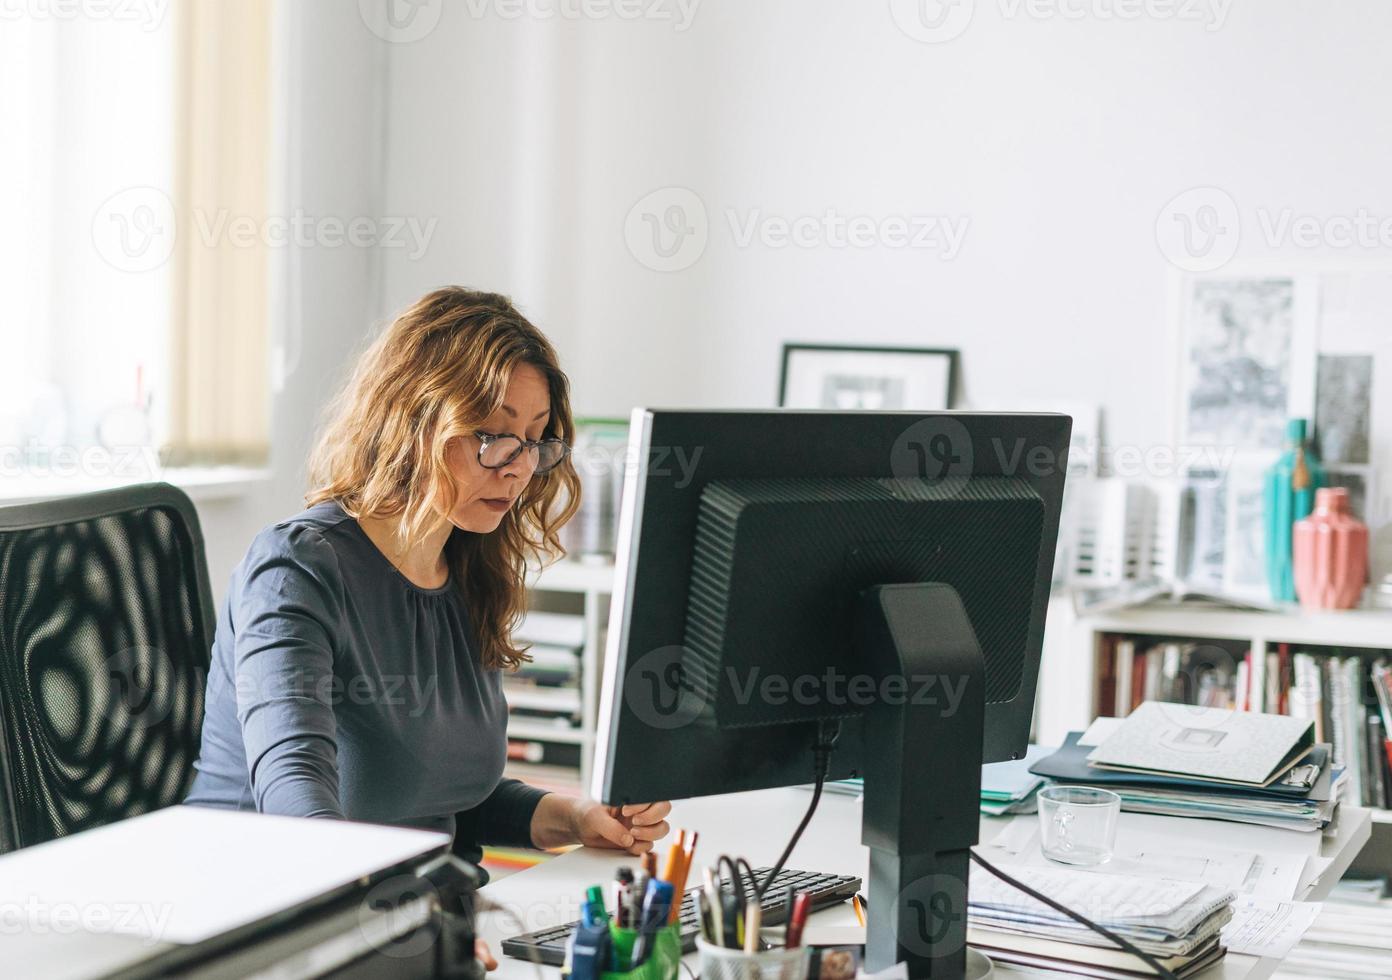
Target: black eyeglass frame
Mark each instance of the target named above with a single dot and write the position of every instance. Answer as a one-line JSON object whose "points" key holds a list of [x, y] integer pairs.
{"points": [[486, 439]]}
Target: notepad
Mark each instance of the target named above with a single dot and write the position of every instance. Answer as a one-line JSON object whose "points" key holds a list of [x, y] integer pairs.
{"points": [[1241, 748]]}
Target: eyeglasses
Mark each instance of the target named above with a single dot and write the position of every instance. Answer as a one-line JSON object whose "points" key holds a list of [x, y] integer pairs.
{"points": [[497, 451]]}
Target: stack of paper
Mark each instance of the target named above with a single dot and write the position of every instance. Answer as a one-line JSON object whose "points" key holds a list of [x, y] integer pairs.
{"points": [[1299, 791], [1178, 922], [1010, 787]]}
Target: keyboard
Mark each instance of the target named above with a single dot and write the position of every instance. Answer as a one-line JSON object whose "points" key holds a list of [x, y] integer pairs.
{"points": [[549, 945]]}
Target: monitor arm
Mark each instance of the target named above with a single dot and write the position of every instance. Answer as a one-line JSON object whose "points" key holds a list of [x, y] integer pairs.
{"points": [[922, 774]]}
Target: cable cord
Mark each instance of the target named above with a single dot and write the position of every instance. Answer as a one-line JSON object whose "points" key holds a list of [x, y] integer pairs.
{"points": [[827, 735], [1126, 945]]}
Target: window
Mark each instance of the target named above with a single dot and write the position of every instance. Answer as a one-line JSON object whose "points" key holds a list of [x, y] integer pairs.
{"points": [[133, 320]]}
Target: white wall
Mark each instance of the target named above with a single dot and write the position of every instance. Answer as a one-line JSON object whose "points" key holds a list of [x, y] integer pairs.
{"points": [[1059, 139]]}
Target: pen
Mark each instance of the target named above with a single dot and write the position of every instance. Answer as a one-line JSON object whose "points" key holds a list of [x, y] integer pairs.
{"points": [[753, 917], [729, 919], [798, 911], [711, 892], [623, 882], [707, 921]]}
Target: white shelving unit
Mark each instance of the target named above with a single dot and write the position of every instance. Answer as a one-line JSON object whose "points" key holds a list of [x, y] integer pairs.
{"points": [[594, 583], [1068, 678]]}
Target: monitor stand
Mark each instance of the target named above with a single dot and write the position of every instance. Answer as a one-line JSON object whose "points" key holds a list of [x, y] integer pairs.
{"points": [[922, 773]]}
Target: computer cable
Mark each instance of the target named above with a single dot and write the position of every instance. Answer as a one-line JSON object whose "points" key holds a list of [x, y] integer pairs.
{"points": [[828, 733], [1126, 945]]}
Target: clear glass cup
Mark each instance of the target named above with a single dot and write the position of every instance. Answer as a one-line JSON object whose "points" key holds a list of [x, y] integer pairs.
{"points": [[1077, 824]]}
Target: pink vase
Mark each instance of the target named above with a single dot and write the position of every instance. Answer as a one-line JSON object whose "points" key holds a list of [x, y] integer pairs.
{"points": [[1330, 553]]}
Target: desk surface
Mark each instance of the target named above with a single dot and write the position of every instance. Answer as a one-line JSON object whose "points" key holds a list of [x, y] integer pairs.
{"points": [[757, 825]]}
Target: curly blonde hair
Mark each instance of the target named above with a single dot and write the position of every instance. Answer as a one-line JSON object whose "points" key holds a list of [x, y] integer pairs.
{"points": [[435, 374]]}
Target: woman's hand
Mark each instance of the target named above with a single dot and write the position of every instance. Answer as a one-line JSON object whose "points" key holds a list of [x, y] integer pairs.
{"points": [[633, 828], [561, 820]]}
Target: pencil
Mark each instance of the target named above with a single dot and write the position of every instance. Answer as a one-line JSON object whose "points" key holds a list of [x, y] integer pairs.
{"points": [[688, 855], [859, 911]]}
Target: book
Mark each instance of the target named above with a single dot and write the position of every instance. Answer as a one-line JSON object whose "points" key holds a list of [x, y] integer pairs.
{"points": [[1241, 748], [1377, 761], [1125, 661]]}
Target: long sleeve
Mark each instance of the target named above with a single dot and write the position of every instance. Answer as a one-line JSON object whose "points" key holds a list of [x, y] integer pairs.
{"points": [[505, 818], [286, 608]]}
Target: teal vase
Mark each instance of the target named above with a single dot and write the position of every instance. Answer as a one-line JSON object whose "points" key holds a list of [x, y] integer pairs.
{"points": [[1289, 496]]}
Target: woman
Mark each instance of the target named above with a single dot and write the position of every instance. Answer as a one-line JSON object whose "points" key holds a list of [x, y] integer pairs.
{"points": [[357, 666]]}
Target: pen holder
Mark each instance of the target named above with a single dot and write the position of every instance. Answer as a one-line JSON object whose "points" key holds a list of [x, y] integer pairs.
{"points": [[719, 963], [664, 963]]}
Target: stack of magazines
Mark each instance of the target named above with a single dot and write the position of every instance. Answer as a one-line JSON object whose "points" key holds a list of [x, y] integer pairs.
{"points": [[1183, 761], [1177, 922]]}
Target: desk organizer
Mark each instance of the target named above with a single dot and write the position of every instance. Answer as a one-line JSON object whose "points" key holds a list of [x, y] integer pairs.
{"points": [[663, 964], [719, 963]]}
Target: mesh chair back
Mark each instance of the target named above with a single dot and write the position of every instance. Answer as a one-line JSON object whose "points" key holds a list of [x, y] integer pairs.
{"points": [[105, 631]]}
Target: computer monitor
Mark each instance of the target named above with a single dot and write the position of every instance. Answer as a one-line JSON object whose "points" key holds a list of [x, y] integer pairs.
{"points": [[794, 587]]}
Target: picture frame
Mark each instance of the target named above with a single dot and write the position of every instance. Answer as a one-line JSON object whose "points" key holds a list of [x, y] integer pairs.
{"points": [[1244, 346], [849, 378]]}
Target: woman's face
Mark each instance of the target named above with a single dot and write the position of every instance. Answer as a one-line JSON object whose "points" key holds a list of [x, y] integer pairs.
{"points": [[485, 495]]}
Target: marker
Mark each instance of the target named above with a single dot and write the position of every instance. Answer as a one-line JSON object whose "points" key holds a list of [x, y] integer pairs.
{"points": [[623, 883], [656, 904], [594, 912]]}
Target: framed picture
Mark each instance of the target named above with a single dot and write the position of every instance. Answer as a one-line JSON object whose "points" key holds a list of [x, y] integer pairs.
{"points": [[913, 379], [1344, 408], [1246, 358]]}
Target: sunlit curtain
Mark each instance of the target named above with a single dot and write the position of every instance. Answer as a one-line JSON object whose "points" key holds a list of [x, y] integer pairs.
{"points": [[220, 396]]}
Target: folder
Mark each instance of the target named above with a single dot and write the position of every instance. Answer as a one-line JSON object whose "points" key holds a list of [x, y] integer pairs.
{"points": [[1070, 764]]}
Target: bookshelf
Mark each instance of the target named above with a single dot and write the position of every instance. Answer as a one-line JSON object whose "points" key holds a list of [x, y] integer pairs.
{"points": [[1210, 653], [553, 726]]}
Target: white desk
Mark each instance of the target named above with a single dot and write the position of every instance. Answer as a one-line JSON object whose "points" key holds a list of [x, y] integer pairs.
{"points": [[757, 825]]}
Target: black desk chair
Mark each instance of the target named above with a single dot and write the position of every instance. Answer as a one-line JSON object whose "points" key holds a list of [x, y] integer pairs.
{"points": [[106, 626]]}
